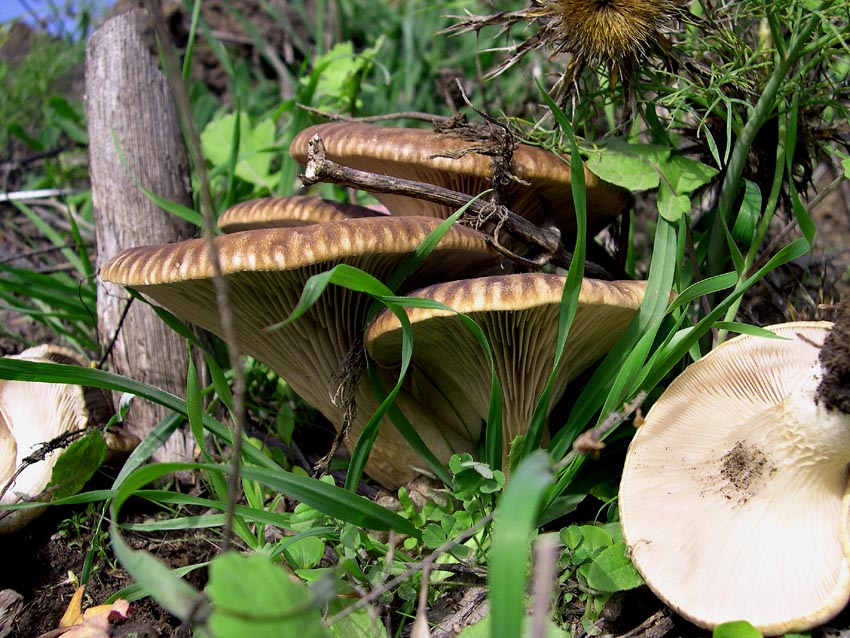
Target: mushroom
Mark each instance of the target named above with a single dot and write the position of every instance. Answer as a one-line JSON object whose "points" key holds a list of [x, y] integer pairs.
{"points": [[451, 162], [734, 497], [280, 212], [519, 316], [34, 413], [266, 271]]}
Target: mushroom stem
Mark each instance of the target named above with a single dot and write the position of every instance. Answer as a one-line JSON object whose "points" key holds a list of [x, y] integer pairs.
{"points": [[321, 169]]}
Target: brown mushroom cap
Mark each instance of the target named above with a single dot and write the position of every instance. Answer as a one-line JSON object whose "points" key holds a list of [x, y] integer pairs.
{"points": [[266, 271], [32, 413], [519, 316], [281, 212], [426, 156], [734, 498]]}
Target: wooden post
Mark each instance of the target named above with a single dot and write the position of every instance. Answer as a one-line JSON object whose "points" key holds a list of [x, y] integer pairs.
{"points": [[129, 106]]}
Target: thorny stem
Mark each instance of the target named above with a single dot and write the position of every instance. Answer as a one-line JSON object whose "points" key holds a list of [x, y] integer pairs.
{"points": [[321, 169], [755, 120]]}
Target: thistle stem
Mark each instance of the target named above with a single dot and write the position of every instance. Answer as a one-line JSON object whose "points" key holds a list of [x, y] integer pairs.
{"points": [[757, 118]]}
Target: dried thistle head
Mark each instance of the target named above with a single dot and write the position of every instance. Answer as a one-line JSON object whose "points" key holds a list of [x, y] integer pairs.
{"points": [[615, 33], [604, 30]]}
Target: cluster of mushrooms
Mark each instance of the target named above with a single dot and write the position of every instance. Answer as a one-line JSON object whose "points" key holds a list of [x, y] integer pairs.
{"points": [[734, 498], [271, 247]]}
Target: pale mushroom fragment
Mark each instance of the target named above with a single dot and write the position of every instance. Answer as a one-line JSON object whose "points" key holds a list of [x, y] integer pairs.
{"points": [[519, 317], [33, 413], [281, 212], [734, 498], [266, 271], [445, 160]]}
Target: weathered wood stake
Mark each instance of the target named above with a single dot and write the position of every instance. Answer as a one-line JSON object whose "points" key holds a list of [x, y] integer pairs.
{"points": [[130, 113]]}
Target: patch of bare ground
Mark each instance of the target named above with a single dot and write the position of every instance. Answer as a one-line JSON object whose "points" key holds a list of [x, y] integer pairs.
{"points": [[43, 565]]}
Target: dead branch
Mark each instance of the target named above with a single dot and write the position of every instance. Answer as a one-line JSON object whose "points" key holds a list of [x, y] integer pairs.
{"points": [[321, 169]]}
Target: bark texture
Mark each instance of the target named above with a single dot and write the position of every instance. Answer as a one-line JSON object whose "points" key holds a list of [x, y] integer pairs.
{"points": [[130, 112]]}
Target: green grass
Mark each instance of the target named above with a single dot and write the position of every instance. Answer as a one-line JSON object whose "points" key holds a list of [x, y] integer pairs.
{"points": [[688, 145]]}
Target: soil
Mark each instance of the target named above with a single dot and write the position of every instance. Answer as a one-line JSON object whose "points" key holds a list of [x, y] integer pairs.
{"points": [[44, 564], [834, 389]]}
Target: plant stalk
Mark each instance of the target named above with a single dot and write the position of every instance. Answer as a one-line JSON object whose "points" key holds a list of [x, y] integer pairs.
{"points": [[756, 120]]}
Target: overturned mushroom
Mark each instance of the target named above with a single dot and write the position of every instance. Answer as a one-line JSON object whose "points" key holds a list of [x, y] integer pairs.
{"points": [[519, 316], [266, 271], [281, 212], [734, 498], [536, 184], [32, 414]]}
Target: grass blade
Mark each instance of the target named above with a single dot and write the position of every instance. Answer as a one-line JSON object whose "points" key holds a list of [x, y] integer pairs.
{"points": [[514, 529]]}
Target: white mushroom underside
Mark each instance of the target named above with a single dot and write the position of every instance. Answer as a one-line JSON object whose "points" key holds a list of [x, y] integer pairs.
{"points": [[33, 413], [8, 449], [745, 522]]}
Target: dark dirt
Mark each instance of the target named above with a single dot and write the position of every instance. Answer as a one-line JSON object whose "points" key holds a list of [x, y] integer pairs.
{"points": [[834, 389], [743, 469], [43, 565]]}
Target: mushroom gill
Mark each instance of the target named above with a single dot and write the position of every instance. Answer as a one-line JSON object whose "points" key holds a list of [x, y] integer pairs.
{"points": [[519, 316]]}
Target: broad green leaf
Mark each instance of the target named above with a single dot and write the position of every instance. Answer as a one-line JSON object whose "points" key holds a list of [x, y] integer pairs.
{"points": [[338, 76], [284, 423], [77, 464], [671, 206], [470, 477], [433, 536], [585, 541], [363, 623], [736, 629], [305, 553], [318, 532], [255, 158], [253, 596], [611, 570], [632, 166], [686, 174]]}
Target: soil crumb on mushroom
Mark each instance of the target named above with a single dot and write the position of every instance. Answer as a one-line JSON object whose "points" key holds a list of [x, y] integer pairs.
{"points": [[743, 469], [834, 389]]}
